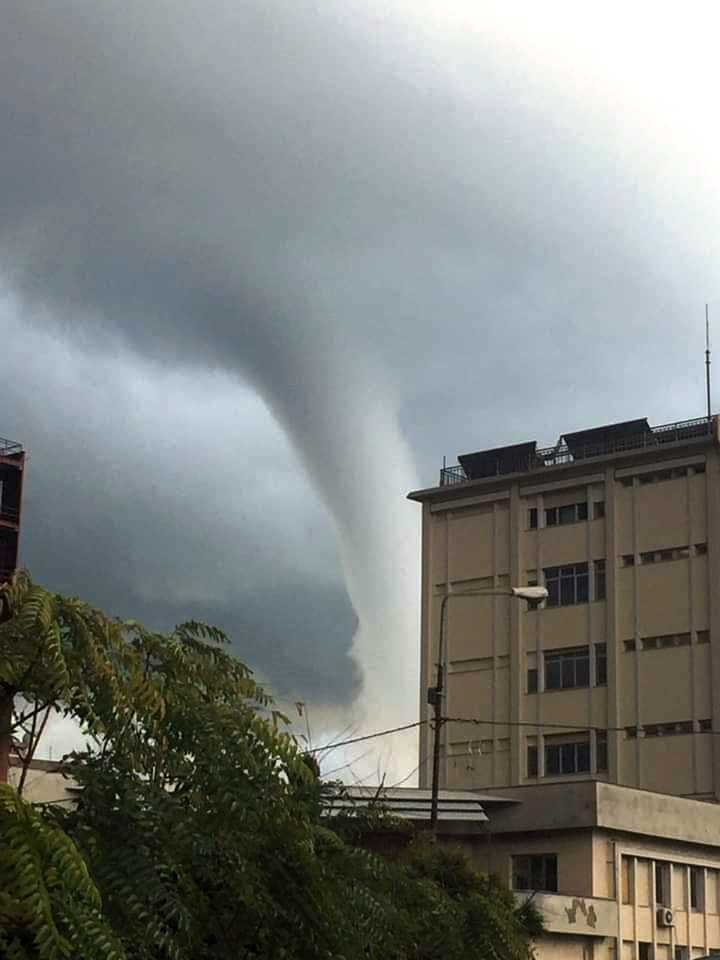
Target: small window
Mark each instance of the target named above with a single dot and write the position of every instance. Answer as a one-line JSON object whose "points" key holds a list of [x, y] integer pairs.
{"points": [[599, 566], [646, 478], [649, 643], [582, 511], [645, 951], [700, 549], [629, 646], [600, 664], [703, 636], [599, 509], [535, 872], [626, 481], [682, 553], [697, 888], [601, 751], [699, 468], [680, 953], [551, 517], [566, 513], [532, 681], [532, 761], [532, 518], [566, 757], [666, 555], [647, 557], [628, 560], [705, 725], [631, 733], [662, 883]]}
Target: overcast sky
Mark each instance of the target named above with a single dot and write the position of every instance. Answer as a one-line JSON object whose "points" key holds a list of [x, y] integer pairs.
{"points": [[263, 263]]}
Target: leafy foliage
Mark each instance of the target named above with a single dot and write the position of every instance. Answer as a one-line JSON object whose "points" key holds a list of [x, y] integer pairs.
{"points": [[199, 829]]}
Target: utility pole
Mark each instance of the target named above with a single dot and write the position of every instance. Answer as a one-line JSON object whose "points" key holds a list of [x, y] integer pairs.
{"points": [[534, 596]]}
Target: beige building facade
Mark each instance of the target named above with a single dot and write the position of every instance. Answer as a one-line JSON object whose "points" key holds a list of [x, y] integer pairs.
{"points": [[617, 678], [617, 873]]}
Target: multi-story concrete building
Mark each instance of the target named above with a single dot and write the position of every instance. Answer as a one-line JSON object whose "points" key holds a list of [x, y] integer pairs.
{"points": [[12, 466], [618, 676]]}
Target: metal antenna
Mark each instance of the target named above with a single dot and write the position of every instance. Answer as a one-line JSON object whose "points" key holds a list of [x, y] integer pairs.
{"points": [[707, 360]]}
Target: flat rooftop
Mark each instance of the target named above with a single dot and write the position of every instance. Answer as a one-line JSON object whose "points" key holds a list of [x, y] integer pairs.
{"points": [[576, 447]]}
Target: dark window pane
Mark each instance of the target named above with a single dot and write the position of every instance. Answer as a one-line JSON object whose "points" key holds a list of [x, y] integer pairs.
{"points": [[601, 752], [599, 507], [567, 513], [532, 761], [568, 672], [521, 873], [551, 874], [600, 664], [532, 681], [537, 873], [581, 590], [600, 583], [552, 761], [582, 671], [553, 589], [551, 517], [567, 758], [532, 518], [567, 591], [553, 674], [582, 511], [583, 757]]}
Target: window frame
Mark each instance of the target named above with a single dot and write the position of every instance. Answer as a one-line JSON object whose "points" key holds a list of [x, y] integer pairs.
{"points": [[567, 661], [567, 585], [568, 750], [543, 865]]}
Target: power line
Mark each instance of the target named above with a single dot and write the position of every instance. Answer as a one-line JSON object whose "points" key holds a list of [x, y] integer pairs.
{"points": [[367, 736], [574, 727]]}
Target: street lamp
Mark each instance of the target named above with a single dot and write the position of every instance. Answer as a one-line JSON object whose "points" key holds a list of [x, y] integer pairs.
{"points": [[534, 597]]}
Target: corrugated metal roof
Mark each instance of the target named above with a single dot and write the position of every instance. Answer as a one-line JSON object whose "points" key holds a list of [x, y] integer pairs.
{"points": [[413, 803]]}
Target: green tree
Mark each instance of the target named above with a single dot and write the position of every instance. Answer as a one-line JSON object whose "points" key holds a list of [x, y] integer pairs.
{"points": [[199, 829]]}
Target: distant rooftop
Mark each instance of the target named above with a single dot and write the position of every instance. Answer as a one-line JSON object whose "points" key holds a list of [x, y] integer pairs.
{"points": [[9, 447], [571, 448]]}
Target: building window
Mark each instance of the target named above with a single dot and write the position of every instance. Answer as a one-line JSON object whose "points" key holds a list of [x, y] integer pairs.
{"points": [[600, 664], [567, 585], [532, 761], [697, 889], [535, 872], [700, 549], [668, 729], [627, 865], [662, 884], [568, 513], [601, 751], [532, 680], [566, 757], [705, 726], [599, 567], [667, 553], [629, 646], [567, 668], [532, 518], [681, 953], [703, 636], [599, 509], [645, 951], [665, 641], [631, 733], [628, 559], [626, 481], [699, 468]]}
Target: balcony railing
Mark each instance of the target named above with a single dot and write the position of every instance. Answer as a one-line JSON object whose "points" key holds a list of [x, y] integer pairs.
{"points": [[561, 454], [9, 447]]}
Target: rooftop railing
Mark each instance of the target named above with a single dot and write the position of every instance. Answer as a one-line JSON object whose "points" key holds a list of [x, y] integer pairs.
{"points": [[561, 453], [9, 447]]}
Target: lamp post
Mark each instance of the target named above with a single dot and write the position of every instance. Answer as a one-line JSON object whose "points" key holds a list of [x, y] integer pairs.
{"points": [[534, 597]]}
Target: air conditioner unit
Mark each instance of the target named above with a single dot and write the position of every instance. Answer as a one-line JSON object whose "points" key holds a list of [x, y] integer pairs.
{"points": [[665, 917]]}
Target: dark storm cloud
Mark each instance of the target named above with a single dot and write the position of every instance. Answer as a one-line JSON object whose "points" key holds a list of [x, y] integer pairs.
{"points": [[401, 225]]}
